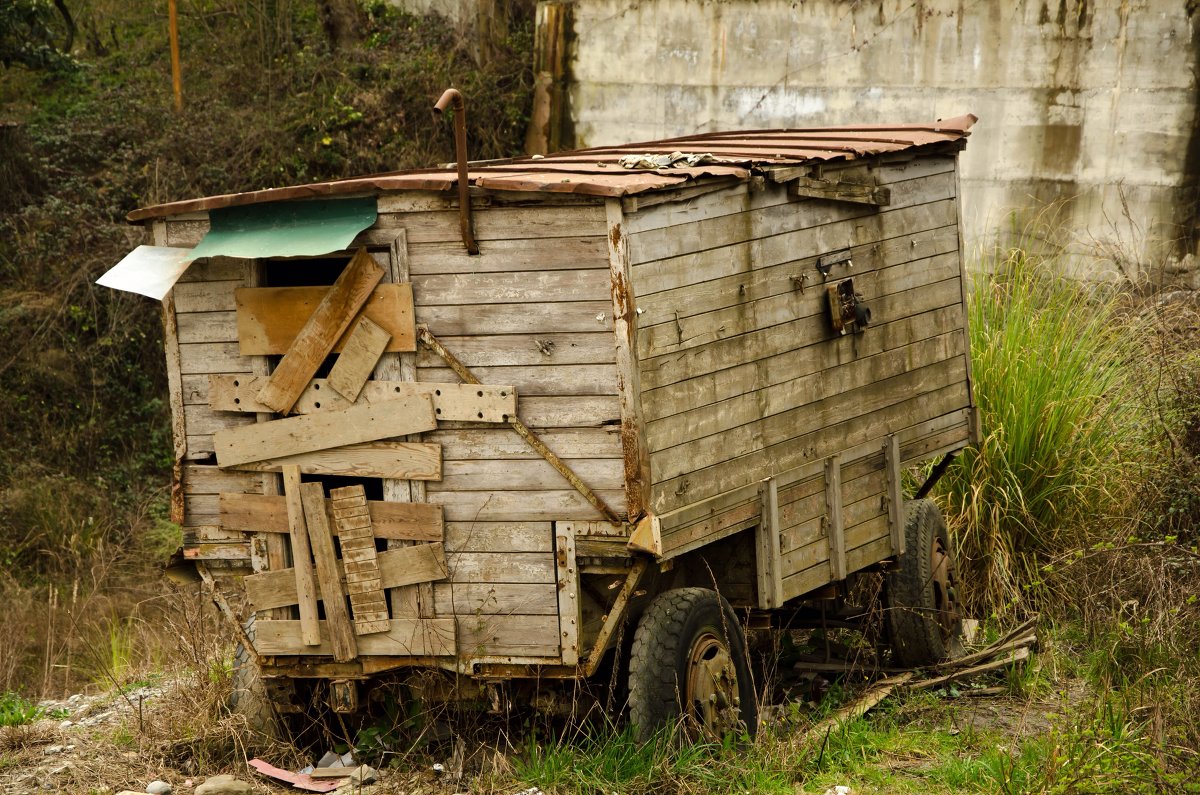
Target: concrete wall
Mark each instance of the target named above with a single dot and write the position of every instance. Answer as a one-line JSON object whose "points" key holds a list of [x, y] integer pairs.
{"points": [[1091, 102]]}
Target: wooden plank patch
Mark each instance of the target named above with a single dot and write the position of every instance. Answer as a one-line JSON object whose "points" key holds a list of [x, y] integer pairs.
{"points": [[397, 460], [451, 402], [424, 637], [321, 332], [356, 535], [397, 568], [328, 573], [323, 430], [400, 521], [269, 318], [353, 367], [306, 587]]}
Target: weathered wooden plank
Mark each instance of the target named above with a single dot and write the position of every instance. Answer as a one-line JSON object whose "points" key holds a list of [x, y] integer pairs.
{"points": [[400, 460], [324, 430], [767, 552], [320, 332], [773, 268], [766, 222], [356, 537], [685, 333], [495, 567], [498, 223], [562, 504], [832, 189], [212, 269], [423, 637], [835, 529], [199, 479], [306, 587], [589, 313], [405, 521], [502, 636], [755, 404], [212, 357], [207, 327], [829, 407], [451, 401], [500, 537], [397, 567], [356, 361], [201, 420], [269, 318], [320, 539], [567, 583], [528, 287], [468, 599], [228, 551], [532, 475], [215, 296], [895, 493], [726, 475], [521, 254], [567, 379], [567, 443], [525, 349], [816, 573], [783, 361]]}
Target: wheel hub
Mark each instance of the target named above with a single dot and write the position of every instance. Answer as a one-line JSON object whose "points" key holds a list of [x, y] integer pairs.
{"points": [[712, 687], [944, 589]]}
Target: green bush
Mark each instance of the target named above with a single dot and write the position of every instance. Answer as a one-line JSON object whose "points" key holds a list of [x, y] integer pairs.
{"points": [[1062, 424]]}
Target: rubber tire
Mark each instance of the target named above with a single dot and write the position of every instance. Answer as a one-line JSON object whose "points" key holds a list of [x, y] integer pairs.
{"points": [[662, 646], [917, 638], [248, 696]]}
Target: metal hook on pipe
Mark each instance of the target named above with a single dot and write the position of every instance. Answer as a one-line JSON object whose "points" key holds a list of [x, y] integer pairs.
{"points": [[453, 99]]}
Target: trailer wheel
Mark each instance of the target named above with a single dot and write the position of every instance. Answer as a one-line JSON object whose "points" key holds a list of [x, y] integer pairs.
{"points": [[923, 621], [689, 662], [248, 697]]}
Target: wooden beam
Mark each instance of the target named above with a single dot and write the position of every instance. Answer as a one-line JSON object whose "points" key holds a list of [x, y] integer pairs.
{"points": [[415, 461], [832, 190], [567, 579], [306, 589], [323, 430], [895, 493], [400, 521], [321, 332], [770, 577], [397, 568], [353, 367], [312, 496], [420, 637], [357, 539], [834, 528], [451, 402], [269, 318]]}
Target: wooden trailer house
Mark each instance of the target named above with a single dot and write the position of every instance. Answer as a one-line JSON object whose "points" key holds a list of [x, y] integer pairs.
{"points": [[658, 384]]}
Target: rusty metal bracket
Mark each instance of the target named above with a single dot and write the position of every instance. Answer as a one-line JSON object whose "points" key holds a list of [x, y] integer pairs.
{"points": [[460, 369], [451, 98]]}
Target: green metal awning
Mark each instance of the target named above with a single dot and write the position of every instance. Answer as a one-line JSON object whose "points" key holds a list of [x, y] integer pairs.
{"points": [[285, 229]]}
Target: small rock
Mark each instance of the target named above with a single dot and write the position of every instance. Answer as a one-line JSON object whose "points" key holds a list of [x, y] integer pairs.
{"points": [[158, 787], [129, 792], [224, 784], [53, 749], [363, 774], [66, 724]]}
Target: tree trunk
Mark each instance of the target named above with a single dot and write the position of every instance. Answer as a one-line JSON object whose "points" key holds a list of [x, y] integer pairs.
{"points": [[343, 21]]}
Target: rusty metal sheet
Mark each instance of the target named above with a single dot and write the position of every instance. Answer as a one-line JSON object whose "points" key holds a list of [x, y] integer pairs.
{"points": [[593, 171]]}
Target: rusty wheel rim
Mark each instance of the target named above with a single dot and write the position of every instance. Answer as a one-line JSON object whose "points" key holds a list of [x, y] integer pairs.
{"points": [[945, 601], [712, 687]]}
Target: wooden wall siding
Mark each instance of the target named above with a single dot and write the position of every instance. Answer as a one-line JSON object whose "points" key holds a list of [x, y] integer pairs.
{"points": [[742, 376], [532, 310], [207, 328]]}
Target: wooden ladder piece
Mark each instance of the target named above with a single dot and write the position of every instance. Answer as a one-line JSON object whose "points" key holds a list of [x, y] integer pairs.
{"points": [[312, 495], [363, 580]]}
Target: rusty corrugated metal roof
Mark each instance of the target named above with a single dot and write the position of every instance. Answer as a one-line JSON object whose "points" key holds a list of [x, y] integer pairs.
{"points": [[597, 171]]}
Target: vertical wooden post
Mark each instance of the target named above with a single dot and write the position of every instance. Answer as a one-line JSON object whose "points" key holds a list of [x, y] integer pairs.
{"points": [[835, 528], [320, 538], [546, 126], [567, 576], [306, 590], [770, 581], [891, 454], [176, 78]]}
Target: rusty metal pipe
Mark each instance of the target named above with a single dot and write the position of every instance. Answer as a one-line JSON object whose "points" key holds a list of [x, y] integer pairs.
{"points": [[453, 99]]}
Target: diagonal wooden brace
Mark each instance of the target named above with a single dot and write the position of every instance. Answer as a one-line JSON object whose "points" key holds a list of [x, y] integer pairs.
{"points": [[460, 369]]}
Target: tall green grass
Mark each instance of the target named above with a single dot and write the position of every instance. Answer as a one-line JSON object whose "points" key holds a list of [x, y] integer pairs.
{"points": [[1062, 422]]}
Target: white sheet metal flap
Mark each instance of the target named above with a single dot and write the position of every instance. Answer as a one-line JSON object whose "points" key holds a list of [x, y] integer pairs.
{"points": [[148, 270]]}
